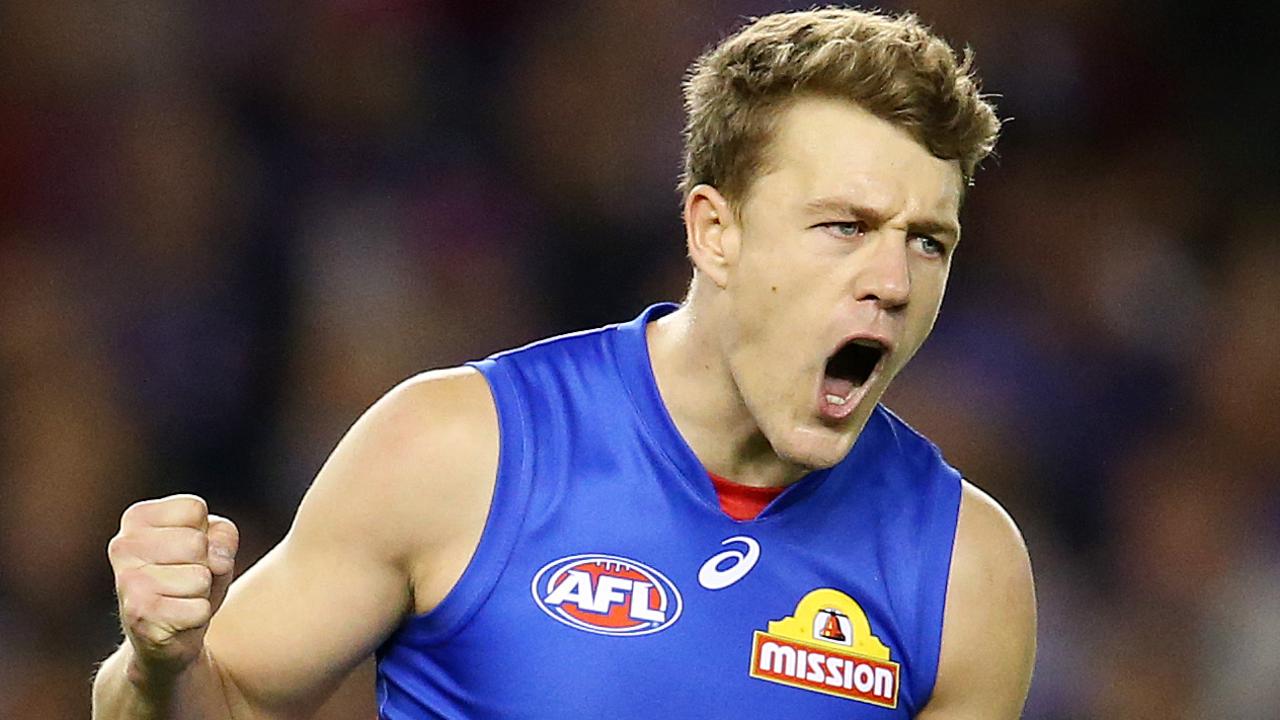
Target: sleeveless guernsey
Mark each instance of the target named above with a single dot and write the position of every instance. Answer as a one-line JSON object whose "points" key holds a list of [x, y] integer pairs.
{"points": [[609, 583]]}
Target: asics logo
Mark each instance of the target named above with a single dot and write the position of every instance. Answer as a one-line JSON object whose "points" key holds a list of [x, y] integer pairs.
{"points": [[729, 566]]}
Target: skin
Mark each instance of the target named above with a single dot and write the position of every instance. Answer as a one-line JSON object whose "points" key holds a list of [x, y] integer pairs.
{"points": [[849, 231], [841, 236], [363, 552]]}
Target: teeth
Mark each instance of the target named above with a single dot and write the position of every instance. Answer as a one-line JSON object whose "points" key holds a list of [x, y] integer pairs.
{"points": [[867, 342], [835, 399]]}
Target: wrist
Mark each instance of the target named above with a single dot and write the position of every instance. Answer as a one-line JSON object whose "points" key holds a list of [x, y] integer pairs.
{"points": [[150, 679]]}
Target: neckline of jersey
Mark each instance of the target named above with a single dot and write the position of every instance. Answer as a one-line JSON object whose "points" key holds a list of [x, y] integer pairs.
{"points": [[636, 368]]}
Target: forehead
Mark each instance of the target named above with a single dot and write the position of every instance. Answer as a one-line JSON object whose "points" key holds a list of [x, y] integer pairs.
{"points": [[823, 147]]}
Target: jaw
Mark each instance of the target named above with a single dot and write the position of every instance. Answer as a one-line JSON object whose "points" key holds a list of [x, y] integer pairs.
{"points": [[818, 438], [816, 446], [812, 443], [802, 429]]}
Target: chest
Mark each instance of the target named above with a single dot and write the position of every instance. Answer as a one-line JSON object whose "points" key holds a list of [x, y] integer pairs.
{"points": [[609, 582], [612, 598], [743, 613]]}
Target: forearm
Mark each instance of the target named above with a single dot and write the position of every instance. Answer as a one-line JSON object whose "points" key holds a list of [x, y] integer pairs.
{"points": [[197, 693]]}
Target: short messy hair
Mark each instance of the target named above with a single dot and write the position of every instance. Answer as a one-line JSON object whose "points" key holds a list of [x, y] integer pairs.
{"points": [[892, 66]]}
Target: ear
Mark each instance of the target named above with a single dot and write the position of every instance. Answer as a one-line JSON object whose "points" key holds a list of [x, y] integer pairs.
{"points": [[711, 233]]}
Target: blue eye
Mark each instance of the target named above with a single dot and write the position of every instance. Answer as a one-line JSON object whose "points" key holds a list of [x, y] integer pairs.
{"points": [[845, 229], [930, 246]]}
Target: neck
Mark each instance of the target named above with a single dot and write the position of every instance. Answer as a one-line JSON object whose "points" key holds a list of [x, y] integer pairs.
{"points": [[700, 394]]}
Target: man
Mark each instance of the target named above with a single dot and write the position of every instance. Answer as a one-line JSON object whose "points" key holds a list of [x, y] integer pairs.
{"points": [[700, 513]]}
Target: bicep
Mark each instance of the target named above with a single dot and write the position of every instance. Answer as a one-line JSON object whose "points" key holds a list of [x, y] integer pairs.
{"points": [[297, 623], [988, 634], [308, 611], [340, 582]]}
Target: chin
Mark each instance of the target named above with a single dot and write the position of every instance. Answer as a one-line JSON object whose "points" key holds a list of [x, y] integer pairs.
{"points": [[817, 446]]}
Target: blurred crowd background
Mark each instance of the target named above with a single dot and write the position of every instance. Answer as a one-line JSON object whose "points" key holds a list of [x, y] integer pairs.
{"points": [[227, 227]]}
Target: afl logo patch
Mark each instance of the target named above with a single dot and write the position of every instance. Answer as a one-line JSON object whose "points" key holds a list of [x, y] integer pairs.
{"points": [[607, 595]]}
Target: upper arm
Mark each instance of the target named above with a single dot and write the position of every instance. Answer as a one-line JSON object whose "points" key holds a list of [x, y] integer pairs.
{"points": [[386, 527], [989, 631]]}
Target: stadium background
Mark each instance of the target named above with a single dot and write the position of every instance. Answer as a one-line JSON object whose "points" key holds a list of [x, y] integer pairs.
{"points": [[226, 228]]}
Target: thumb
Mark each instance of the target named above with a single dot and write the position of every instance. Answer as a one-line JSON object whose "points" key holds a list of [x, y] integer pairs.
{"points": [[224, 541]]}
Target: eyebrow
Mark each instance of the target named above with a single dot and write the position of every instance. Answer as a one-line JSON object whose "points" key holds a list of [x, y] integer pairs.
{"points": [[844, 206]]}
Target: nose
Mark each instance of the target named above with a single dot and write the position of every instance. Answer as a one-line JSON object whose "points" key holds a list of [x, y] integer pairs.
{"points": [[884, 276]]}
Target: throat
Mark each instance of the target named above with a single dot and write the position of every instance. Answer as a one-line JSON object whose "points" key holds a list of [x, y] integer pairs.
{"points": [[743, 502]]}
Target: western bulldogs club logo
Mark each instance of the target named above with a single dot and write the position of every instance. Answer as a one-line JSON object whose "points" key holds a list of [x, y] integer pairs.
{"points": [[607, 595], [827, 646]]}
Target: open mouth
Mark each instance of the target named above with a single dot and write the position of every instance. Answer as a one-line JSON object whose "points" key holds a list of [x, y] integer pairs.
{"points": [[849, 369]]}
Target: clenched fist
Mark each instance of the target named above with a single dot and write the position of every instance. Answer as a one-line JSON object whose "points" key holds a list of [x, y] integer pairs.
{"points": [[172, 562]]}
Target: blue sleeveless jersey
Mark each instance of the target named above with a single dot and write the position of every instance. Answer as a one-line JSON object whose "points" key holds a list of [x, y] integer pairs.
{"points": [[609, 583]]}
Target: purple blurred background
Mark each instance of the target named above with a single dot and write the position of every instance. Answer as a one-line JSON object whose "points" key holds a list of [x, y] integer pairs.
{"points": [[227, 227]]}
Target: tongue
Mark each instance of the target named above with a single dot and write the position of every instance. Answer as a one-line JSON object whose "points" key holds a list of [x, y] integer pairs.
{"points": [[840, 387]]}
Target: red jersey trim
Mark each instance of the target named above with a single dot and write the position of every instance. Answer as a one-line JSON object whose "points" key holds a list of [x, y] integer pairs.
{"points": [[742, 502]]}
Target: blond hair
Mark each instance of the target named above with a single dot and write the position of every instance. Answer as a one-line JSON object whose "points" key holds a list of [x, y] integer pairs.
{"points": [[893, 67]]}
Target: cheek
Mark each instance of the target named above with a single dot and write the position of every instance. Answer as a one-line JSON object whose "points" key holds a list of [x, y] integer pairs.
{"points": [[929, 281], [790, 282], [926, 302], [768, 284], [772, 323], [777, 292]]}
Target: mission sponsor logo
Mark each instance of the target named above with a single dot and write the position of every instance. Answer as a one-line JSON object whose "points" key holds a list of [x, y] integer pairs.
{"points": [[606, 594], [827, 646]]}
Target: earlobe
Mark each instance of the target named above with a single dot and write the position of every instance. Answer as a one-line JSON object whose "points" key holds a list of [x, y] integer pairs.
{"points": [[710, 233]]}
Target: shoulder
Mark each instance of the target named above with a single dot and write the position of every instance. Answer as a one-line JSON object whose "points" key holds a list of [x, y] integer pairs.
{"points": [[988, 635], [443, 416], [416, 470], [987, 537]]}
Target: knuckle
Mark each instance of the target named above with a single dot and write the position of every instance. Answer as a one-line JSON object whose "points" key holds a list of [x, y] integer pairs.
{"points": [[182, 544], [196, 546], [116, 548], [156, 634], [191, 614], [130, 515], [148, 605], [202, 611], [204, 580], [134, 607], [130, 581], [190, 507], [129, 615]]}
